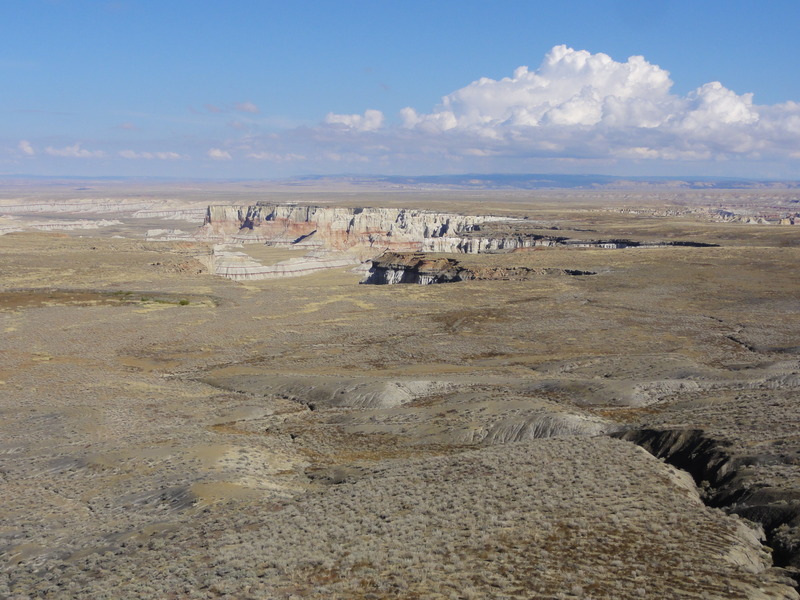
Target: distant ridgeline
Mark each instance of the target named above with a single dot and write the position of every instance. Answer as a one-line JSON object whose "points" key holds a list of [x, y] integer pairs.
{"points": [[532, 181]]}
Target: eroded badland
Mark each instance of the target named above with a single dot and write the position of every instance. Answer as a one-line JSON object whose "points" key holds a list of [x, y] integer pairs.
{"points": [[283, 431]]}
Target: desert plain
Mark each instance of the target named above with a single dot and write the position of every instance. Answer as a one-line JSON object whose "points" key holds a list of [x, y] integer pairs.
{"points": [[619, 422]]}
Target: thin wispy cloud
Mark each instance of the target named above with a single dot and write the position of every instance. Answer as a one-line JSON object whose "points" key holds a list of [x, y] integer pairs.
{"points": [[240, 107], [276, 157], [74, 151], [247, 107]]}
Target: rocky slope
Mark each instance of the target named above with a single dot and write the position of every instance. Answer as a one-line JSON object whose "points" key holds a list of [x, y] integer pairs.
{"points": [[227, 261], [330, 391], [729, 481]]}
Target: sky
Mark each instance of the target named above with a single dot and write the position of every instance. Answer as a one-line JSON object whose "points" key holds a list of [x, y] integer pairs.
{"points": [[276, 89]]}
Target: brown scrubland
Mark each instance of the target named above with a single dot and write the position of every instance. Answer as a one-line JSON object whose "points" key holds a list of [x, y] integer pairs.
{"points": [[629, 433]]}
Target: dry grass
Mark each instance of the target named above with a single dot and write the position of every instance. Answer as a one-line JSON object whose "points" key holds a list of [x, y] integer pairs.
{"points": [[126, 476]]}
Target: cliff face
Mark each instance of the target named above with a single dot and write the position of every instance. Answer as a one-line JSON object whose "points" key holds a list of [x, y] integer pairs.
{"points": [[227, 261], [337, 236], [730, 482], [339, 228], [391, 268], [375, 230]]}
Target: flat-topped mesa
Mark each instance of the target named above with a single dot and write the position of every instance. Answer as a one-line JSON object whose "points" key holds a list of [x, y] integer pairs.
{"points": [[338, 236], [137, 208], [374, 230], [391, 268], [340, 228]]}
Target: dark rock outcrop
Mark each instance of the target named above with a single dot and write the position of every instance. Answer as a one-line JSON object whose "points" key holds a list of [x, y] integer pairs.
{"points": [[727, 481], [416, 267]]}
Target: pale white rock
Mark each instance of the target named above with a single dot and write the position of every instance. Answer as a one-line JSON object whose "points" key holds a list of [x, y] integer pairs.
{"points": [[75, 206], [333, 392], [545, 425], [193, 214], [139, 208], [364, 233], [342, 228], [12, 224], [166, 235], [334, 236], [6, 229], [73, 225], [227, 261]]}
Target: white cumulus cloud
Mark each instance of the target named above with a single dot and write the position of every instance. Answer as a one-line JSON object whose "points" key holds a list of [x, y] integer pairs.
{"points": [[571, 87], [219, 154], [26, 148], [371, 120], [579, 104], [575, 110]]}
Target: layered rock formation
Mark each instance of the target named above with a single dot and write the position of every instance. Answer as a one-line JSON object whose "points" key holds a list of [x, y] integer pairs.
{"points": [[391, 268], [137, 208], [358, 234], [339, 236], [14, 224], [340, 228], [74, 206], [229, 262], [191, 214], [393, 229]]}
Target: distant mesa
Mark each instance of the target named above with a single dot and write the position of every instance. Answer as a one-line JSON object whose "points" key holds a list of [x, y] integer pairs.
{"points": [[394, 241], [343, 229], [338, 237]]}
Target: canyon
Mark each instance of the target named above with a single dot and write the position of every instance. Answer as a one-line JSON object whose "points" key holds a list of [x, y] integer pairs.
{"points": [[334, 236], [201, 382]]}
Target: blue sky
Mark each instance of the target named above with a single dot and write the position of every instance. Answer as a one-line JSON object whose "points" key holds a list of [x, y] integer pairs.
{"points": [[245, 88]]}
